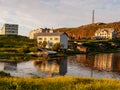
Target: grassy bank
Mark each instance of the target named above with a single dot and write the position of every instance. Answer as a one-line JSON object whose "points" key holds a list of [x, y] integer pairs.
{"points": [[102, 46], [15, 57], [58, 83]]}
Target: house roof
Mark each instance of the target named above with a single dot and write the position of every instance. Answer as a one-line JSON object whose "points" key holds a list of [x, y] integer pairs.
{"points": [[52, 34]]}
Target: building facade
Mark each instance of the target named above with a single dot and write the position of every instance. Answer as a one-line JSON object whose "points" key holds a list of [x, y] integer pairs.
{"points": [[106, 33], [53, 38], [9, 29], [34, 33]]}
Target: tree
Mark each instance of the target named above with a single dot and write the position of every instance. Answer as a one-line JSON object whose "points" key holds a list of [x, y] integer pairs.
{"points": [[44, 44], [56, 47], [40, 44]]}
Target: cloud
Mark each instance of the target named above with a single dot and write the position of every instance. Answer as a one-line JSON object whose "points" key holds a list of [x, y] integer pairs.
{"points": [[32, 14]]}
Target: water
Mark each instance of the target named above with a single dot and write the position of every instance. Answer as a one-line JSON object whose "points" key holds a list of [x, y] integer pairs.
{"points": [[98, 66]]}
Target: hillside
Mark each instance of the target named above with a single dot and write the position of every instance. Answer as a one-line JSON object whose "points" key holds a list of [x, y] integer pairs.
{"points": [[16, 47], [87, 31], [15, 41]]}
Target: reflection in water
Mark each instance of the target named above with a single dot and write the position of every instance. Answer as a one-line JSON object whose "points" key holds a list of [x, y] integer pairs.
{"points": [[104, 62], [52, 67], [107, 62], [8, 66], [98, 66]]}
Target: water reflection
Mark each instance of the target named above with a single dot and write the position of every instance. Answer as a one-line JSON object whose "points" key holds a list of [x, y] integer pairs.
{"points": [[52, 67], [104, 62], [101, 62], [98, 66]]}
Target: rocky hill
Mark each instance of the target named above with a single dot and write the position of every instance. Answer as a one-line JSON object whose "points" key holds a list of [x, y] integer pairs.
{"points": [[87, 31]]}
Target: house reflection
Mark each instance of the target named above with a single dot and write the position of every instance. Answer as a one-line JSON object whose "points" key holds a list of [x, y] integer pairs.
{"points": [[104, 62], [52, 67], [8, 66], [107, 62], [116, 62], [86, 60]]}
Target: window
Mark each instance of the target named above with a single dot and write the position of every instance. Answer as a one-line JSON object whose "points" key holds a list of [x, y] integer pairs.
{"points": [[50, 38], [45, 39], [13, 32], [40, 38], [56, 39]]}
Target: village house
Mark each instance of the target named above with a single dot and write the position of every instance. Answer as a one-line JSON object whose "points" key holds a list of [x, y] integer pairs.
{"points": [[34, 33], [53, 38], [105, 33], [9, 29]]}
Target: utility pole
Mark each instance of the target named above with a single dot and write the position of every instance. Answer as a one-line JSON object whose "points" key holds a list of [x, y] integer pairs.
{"points": [[93, 19]]}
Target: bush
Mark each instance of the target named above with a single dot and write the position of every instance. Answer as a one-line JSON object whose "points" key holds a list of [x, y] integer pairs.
{"points": [[3, 74]]}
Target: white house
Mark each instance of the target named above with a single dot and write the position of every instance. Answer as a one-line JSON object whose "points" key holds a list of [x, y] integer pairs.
{"points": [[53, 38], [106, 33], [9, 29]]}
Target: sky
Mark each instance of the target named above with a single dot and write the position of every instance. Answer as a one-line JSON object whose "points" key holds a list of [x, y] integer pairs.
{"points": [[33, 14]]}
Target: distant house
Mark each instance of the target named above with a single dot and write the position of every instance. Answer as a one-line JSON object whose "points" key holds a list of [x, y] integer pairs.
{"points": [[34, 33], [105, 33], [53, 38], [9, 29]]}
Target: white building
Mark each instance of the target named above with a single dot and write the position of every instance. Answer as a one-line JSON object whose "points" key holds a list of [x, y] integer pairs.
{"points": [[11, 29], [106, 33], [34, 33], [53, 38]]}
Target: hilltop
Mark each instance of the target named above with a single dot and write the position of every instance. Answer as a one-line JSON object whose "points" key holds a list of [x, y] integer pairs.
{"points": [[87, 31]]}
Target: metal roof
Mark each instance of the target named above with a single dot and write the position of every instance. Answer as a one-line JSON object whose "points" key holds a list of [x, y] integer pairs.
{"points": [[51, 34]]}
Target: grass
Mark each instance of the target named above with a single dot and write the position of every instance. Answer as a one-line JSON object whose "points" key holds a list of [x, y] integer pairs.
{"points": [[14, 57], [58, 83]]}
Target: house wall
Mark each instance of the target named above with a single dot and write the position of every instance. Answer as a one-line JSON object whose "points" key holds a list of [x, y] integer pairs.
{"points": [[114, 34], [33, 34], [51, 40], [10, 29], [64, 41]]}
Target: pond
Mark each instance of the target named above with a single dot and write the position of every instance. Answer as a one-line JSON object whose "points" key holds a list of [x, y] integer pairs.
{"points": [[97, 66]]}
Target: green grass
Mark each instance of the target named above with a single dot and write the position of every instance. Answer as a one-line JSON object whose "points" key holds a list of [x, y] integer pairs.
{"points": [[16, 47], [58, 83]]}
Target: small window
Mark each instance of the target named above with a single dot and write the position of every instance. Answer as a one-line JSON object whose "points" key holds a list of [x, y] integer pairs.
{"points": [[56, 39], [50, 38], [45, 39], [40, 38]]}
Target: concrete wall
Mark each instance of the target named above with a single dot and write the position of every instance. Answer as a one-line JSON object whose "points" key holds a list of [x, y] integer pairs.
{"points": [[64, 41]]}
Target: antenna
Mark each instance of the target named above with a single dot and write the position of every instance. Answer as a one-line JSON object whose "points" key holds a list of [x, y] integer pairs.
{"points": [[93, 12]]}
